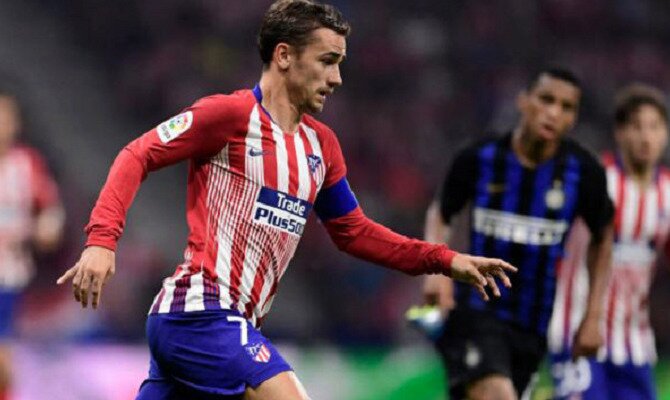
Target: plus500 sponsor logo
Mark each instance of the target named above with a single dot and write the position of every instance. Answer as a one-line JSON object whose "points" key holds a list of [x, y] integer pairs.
{"points": [[281, 211]]}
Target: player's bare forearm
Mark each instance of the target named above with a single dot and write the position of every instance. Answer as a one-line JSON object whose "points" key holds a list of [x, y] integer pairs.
{"points": [[89, 275], [437, 289], [599, 260], [435, 229], [49, 228], [588, 337]]}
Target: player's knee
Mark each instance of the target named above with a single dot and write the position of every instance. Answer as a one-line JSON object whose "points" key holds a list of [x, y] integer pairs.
{"points": [[492, 387]]}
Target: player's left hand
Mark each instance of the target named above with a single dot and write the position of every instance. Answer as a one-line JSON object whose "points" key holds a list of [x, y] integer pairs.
{"points": [[95, 266], [481, 272], [588, 339]]}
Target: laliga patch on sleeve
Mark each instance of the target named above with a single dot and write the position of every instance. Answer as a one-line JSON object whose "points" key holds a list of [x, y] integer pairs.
{"points": [[175, 126]]}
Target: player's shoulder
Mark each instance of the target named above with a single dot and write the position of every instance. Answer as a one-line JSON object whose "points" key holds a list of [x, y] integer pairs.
{"points": [[323, 132], [487, 140], [22, 150], [27, 155], [664, 172], [240, 100], [471, 149], [583, 154]]}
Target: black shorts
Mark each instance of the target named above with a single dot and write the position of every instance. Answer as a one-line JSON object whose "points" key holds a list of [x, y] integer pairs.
{"points": [[476, 344]]}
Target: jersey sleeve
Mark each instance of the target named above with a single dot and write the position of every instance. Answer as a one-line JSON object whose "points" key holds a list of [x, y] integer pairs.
{"points": [[459, 184], [357, 235], [594, 204], [363, 238], [199, 132], [336, 198]]}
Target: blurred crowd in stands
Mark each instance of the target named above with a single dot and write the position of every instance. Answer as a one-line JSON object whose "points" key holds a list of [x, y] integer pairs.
{"points": [[422, 78]]}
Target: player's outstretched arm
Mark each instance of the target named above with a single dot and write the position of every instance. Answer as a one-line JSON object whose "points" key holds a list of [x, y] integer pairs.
{"points": [[361, 237], [89, 275]]}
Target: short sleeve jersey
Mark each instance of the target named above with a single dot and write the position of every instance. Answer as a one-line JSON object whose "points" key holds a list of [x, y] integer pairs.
{"points": [[522, 215]]}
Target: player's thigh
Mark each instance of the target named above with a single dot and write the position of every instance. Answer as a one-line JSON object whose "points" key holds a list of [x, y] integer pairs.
{"points": [[474, 347], [283, 386], [157, 389], [491, 387], [212, 352], [528, 351]]}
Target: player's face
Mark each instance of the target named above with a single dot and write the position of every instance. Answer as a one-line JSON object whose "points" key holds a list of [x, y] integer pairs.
{"points": [[315, 73], [643, 139], [549, 109], [10, 123]]}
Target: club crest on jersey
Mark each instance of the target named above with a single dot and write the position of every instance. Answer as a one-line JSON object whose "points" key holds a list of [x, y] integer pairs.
{"points": [[281, 210], [175, 126], [259, 352], [313, 161], [555, 197]]}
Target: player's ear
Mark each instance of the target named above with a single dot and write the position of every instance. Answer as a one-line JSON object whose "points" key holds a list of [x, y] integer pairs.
{"points": [[282, 56]]}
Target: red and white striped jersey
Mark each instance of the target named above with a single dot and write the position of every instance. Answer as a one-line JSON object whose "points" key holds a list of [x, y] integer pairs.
{"points": [[25, 188], [641, 229], [249, 191]]}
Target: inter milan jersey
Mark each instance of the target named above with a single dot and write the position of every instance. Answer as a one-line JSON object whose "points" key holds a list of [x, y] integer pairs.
{"points": [[522, 215]]}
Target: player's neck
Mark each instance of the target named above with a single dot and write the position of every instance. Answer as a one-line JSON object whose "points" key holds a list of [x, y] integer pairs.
{"points": [[530, 151], [641, 173], [277, 102]]}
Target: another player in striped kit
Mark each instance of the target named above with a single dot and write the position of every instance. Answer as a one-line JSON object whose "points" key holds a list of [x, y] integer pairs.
{"points": [[640, 189], [258, 165], [30, 215]]}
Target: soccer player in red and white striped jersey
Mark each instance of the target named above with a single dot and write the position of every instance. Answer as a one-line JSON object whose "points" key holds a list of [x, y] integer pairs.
{"points": [[30, 213], [640, 189], [257, 165]]}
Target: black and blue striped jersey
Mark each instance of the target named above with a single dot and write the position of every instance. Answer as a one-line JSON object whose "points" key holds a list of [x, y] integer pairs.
{"points": [[522, 215]]}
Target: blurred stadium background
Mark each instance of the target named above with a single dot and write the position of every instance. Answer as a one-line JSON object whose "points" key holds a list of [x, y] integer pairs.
{"points": [[422, 78]]}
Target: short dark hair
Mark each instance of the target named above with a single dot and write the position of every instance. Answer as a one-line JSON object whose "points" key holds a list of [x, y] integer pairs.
{"points": [[563, 74], [292, 22], [629, 99]]}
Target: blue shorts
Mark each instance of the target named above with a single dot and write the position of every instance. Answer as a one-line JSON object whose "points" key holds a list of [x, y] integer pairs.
{"points": [[206, 355], [8, 302], [600, 380]]}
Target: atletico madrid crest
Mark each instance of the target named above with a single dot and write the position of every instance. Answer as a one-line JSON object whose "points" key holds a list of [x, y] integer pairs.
{"points": [[258, 352], [313, 161]]}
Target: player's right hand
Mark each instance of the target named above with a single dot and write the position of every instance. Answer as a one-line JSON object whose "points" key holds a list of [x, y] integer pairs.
{"points": [[89, 275], [481, 272]]}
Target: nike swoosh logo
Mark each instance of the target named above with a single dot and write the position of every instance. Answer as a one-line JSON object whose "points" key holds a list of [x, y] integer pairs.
{"points": [[255, 152]]}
